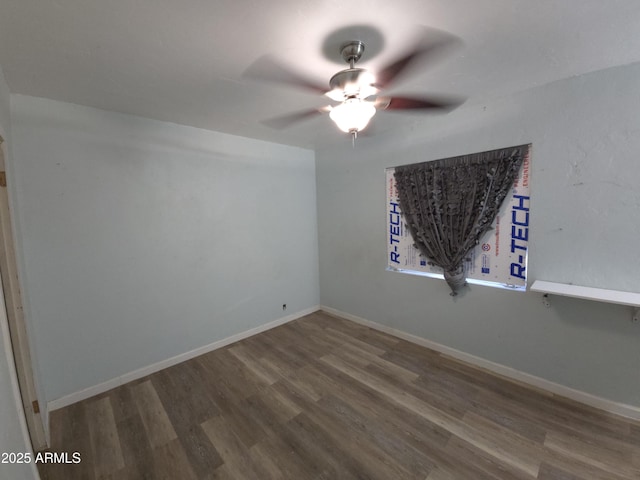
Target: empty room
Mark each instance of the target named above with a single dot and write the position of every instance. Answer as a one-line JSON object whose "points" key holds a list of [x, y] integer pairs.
{"points": [[320, 240]]}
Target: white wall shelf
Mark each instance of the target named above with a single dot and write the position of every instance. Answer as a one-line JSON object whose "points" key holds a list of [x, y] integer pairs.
{"points": [[589, 293]]}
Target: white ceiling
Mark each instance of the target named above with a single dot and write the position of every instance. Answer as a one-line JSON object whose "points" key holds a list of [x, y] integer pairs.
{"points": [[182, 60]]}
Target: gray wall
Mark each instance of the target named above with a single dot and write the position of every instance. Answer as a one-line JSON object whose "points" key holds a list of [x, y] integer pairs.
{"points": [[143, 240], [12, 438], [585, 174]]}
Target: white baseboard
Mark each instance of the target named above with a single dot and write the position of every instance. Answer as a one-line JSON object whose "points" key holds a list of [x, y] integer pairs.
{"points": [[148, 370], [610, 406]]}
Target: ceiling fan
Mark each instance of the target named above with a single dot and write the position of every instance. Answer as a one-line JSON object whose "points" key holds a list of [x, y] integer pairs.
{"points": [[357, 90]]}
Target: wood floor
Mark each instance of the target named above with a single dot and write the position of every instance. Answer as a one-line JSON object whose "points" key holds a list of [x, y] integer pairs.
{"points": [[323, 398]]}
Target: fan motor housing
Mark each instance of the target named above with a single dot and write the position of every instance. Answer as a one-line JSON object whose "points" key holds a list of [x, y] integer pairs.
{"points": [[347, 79]]}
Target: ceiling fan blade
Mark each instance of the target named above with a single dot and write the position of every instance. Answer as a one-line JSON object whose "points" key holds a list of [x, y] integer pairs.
{"points": [[269, 69], [444, 104], [433, 44], [284, 121]]}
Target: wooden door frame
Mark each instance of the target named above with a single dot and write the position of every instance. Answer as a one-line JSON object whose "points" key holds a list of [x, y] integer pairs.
{"points": [[15, 316]]}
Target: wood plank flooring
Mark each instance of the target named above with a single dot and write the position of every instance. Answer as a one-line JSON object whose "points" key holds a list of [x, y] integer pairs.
{"points": [[323, 398]]}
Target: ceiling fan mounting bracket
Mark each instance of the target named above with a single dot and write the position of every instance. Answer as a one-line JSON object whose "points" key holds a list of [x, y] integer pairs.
{"points": [[352, 51]]}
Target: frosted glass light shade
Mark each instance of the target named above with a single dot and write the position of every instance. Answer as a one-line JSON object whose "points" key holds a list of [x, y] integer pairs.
{"points": [[352, 115]]}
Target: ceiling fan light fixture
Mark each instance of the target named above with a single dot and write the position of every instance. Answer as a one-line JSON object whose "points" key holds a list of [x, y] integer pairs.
{"points": [[367, 91], [352, 115], [336, 94], [356, 90]]}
